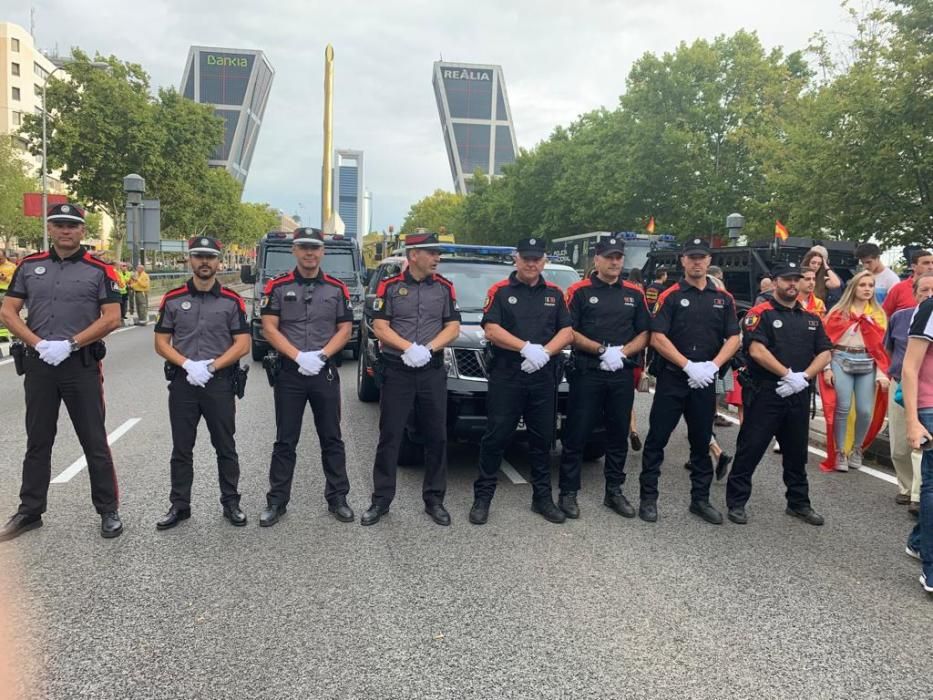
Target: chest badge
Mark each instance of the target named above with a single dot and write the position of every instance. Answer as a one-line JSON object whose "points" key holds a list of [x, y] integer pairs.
{"points": [[685, 303], [513, 300], [550, 301], [290, 296], [719, 303], [594, 300], [778, 323], [377, 304], [186, 305], [40, 270], [403, 291]]}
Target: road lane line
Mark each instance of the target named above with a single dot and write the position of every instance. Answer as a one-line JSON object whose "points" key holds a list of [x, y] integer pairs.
{"points": [[512, 473], [81, 463], [125, 328], [5, 362], [822, 453]]}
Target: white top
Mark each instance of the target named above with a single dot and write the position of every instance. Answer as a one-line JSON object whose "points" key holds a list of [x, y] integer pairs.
{"points": [[885, 279]]}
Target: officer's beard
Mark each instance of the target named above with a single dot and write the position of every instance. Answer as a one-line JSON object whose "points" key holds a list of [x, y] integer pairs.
{"points": [[204, 272], [788, 296]]}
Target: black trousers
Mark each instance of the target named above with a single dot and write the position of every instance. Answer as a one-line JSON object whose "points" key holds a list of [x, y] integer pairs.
{"points": [[124, 299], [767, 415], [216, 403], [293, 391], [597, 397], [674, 398], [513, 395], [81, 388], [423, 390]]}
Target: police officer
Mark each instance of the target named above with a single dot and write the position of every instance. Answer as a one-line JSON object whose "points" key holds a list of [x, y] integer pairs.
{"points": [[694, 332], [610, 329], [786, 348], [74, 302], [525, 319], [202, 333], [415, 314], [307, 317]]}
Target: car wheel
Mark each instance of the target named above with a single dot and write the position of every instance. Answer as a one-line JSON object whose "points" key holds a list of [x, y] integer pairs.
{"points": [[366, 389]]}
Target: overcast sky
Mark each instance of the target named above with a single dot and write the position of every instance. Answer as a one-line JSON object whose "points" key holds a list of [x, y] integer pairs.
{"points": [[560, 59]]}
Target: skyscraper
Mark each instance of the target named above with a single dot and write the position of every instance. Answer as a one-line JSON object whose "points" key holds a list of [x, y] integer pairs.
{"points": [[349, 191], [237, 83], [475, 118]]}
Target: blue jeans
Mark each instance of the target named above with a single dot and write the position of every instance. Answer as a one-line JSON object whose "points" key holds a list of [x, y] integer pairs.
{"points": [[921, 538], [863, 386]]}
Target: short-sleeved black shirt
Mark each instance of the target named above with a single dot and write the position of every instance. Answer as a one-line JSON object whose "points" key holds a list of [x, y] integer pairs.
{"points": [[610, 314], [63, 295], [309, 308], [535, 314], [202, 324], [696, 321], [415, 310], [792, 334]]}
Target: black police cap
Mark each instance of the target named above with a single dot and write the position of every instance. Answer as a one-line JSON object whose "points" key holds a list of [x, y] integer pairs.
{"points": [[308, 236], [531, 247], [66, 212], [421, 239], [696, 246], [204, 245], [786, 269], [610, 244]]}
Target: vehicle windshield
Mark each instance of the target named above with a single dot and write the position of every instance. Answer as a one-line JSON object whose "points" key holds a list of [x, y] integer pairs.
{"points": [[472, 280], [337, 262]]}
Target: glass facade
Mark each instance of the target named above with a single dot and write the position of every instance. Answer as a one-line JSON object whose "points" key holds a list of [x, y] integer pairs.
{"points": [[349, 191], [473, 107], [237, 83]]}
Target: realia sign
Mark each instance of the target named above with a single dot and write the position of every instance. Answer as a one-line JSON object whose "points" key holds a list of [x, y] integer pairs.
{"points": [[465, 74]]}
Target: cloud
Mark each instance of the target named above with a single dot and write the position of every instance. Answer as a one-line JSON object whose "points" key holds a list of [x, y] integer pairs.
{"points": [[560, 60]]}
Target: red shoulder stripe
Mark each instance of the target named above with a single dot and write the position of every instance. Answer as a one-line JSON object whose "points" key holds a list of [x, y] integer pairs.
{"points": [[572, 289], [230, 294], [493, 290], [108, 269], [281, 279], [554, 286], [760, 308], [666, 293], [381, 289], [447, 283], [631, 285], [172, 293], [35, 256], [334, 281]]}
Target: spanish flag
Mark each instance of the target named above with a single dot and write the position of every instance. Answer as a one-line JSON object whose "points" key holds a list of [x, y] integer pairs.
{"points": [[780, 230], [650, 226]]}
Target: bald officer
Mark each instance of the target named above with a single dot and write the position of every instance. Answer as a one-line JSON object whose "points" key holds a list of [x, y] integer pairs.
{"points": [[307, 317], [74, 302], [202, 333]]}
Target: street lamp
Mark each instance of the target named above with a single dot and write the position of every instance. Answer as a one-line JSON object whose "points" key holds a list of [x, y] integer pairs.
{"points": [[45, 164], [134, 186], [734, 225]]}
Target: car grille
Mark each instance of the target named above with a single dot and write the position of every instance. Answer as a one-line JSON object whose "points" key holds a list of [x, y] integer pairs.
{"points": [[470, 364]]}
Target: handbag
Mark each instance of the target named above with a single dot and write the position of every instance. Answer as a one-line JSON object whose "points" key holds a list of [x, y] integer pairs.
{"points": [[645, 383], [857, 365]]}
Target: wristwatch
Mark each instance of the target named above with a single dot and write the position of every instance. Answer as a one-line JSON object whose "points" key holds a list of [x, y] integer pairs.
{"points": [[324, 357], [601, 349], [211, 368], [73, 345]]}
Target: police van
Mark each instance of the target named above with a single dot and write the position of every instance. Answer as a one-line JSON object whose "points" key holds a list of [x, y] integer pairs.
{"points": [[274, 256], [473, 269], [577, 251]]}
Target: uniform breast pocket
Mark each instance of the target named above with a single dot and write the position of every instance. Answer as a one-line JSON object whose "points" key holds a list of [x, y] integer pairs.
{"points": [[293, 310], [83, 290]]}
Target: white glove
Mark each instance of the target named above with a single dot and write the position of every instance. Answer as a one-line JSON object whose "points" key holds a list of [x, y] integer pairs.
{"points": [[309, 363], [698, 374], [416, 356], [198, 373], [794, 381], [612, 359], [784, 390], [528, 367], [53, 352], [535, 355]]}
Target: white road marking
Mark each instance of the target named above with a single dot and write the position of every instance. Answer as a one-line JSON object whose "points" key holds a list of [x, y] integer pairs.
{"points": [[822, 453], [5, 362], [512, 473], [81, 463], [125, 328]]}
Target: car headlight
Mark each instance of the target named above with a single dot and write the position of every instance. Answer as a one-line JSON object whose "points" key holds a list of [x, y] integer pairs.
{"points": [[450, 364]]}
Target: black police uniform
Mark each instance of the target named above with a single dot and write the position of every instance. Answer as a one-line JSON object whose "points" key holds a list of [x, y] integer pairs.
{"points": [[535, 314], [795, 337], [203, 326], [310, 310], [610, 314], [417, 311], [64, 296], [697, 322]]}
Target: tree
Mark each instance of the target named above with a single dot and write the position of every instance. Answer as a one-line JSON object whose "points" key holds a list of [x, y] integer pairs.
{"points": [[438, 209], [14, 183]]}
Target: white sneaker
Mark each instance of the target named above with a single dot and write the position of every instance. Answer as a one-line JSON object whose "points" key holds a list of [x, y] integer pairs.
{"points": [[842, 464], [855, 459], [923, 581], [911, 552]]}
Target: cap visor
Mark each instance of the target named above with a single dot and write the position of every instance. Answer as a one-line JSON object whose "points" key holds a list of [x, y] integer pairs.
{"points": [[208, 251], [65, 217], [530, 254], [696, 251], [610, 251], [424, 246], [309, 242]]}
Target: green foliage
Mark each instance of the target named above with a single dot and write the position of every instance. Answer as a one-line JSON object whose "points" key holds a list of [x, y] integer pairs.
{"points": [[726, 125], [432, 212], [14, 183]]}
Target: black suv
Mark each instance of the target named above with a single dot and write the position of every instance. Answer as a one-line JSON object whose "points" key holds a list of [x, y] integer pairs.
{"points": [[466, 370]]}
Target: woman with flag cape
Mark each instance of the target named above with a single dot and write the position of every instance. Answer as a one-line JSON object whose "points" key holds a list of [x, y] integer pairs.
{"points": [[856, 327]]}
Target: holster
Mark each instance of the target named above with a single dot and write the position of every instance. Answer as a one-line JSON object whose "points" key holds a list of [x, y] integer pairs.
{"points": [[18, 351], [170, 370], [272, 363], [239, 376]]}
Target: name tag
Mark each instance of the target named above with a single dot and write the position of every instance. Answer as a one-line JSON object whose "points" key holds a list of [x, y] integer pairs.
{"points": [[550, 301]]}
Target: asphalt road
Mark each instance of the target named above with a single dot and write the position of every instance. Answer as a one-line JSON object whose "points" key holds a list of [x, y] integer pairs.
{"points": [[602, 607]]}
